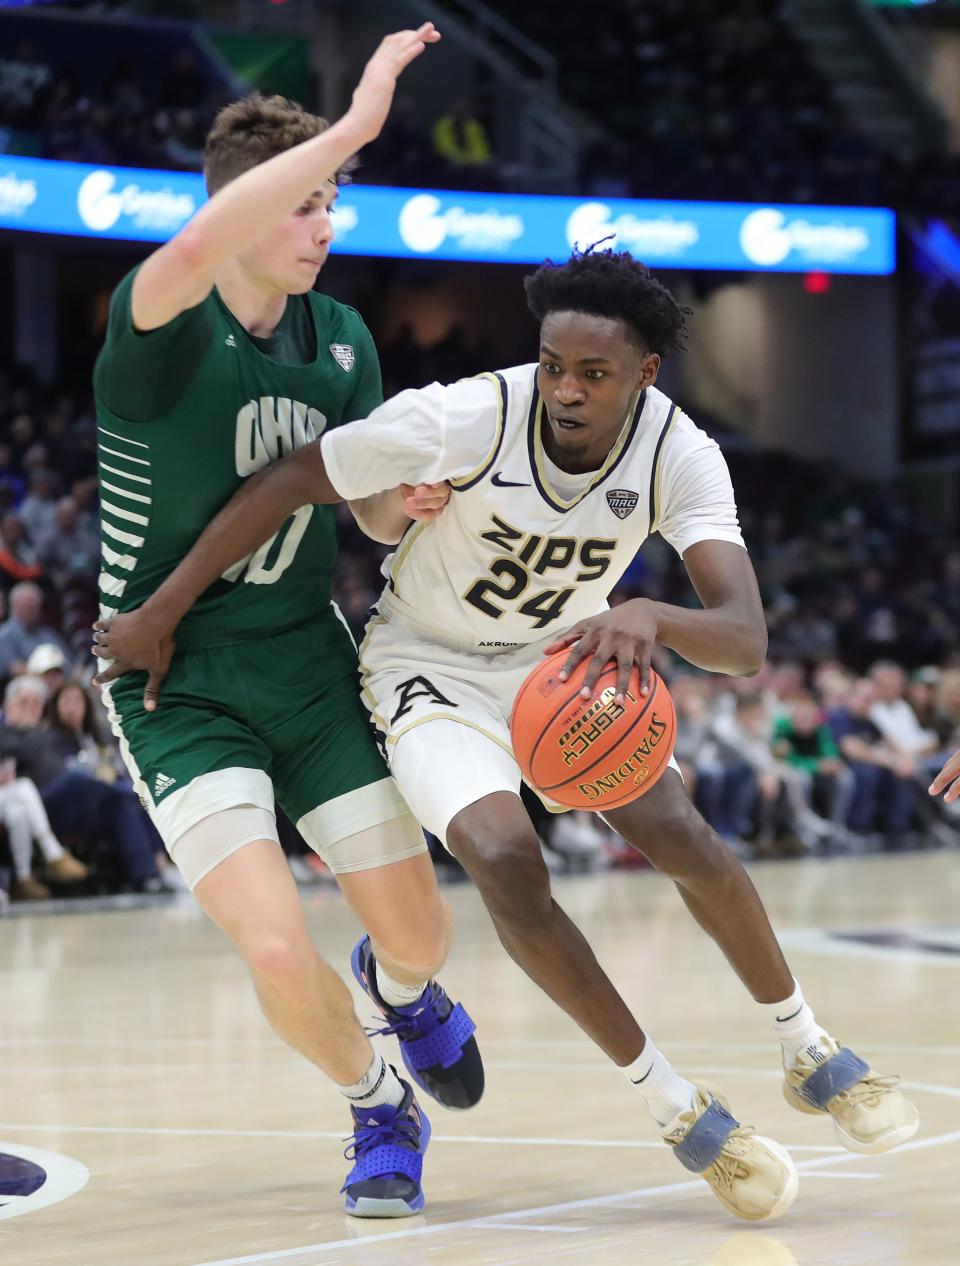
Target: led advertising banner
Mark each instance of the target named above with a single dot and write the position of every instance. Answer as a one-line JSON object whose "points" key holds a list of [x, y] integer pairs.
{"points": [[137, 204]]}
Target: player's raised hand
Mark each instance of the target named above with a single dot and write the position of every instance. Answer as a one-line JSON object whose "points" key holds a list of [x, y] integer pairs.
{"points": [[948, 779], [626, 635], [424, 502], [131, 643], [374, 93]]}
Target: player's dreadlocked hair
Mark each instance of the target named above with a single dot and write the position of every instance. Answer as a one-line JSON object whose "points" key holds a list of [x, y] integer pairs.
{"points": [[611, 284], [249, 131]]}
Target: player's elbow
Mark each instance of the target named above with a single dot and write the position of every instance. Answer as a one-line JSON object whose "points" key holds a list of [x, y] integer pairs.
{"points": [[382, 533], [194, 249], [752, 649], [306, 481]]}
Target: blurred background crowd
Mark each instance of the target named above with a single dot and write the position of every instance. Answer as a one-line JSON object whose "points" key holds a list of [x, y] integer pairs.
{"points": [[831, 748]]}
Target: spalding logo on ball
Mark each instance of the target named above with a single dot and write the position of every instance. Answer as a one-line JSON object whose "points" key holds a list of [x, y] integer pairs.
{"points": [[594, 753]]}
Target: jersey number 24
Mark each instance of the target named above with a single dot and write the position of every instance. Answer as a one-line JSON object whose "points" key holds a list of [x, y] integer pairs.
{"points": [[509, 578]]}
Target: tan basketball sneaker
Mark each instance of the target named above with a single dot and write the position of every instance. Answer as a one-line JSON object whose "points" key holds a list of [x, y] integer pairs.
{"points": [[870, 1114], [66, 869], [752, 1176], [29, 889]]}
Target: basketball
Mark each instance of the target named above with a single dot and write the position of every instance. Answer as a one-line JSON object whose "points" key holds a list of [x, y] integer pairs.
{"points": [[594, 753]]}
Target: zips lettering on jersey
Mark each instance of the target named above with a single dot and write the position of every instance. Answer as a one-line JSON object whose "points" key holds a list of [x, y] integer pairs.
{"points": [[533, 554]]}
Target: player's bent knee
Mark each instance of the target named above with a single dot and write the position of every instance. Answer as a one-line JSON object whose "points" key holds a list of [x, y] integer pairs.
{"points": [[421, 950], [508, 869], [683, 845], [285, 958]]}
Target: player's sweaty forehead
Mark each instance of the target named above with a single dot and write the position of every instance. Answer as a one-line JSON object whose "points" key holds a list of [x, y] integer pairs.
{"points": [[583, 338]]}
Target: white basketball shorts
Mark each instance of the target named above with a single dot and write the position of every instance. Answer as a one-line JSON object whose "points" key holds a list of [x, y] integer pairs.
{"points": [[445, 716]]}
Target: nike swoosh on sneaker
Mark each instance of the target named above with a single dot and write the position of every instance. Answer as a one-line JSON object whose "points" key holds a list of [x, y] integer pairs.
{"points": [[499, 482]]}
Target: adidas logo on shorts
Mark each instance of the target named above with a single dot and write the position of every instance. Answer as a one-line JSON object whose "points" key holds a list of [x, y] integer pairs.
{"points": [[162, 783]]}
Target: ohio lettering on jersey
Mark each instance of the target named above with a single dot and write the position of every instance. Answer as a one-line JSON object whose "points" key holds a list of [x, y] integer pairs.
{"points": [[514, 557], [267, 429], [271, 427]]}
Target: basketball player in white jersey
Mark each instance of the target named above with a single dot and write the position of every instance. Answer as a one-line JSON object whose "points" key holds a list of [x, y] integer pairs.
{"points": [[559, 471]]}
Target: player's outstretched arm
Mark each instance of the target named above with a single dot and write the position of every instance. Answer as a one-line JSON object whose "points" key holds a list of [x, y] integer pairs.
{"points": [[143, 639], [180, 274], [948, 780]]}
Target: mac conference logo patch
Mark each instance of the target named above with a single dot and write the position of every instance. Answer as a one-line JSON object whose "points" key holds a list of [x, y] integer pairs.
{"points": [[31, 1179], [344, 355], [622, 501]]}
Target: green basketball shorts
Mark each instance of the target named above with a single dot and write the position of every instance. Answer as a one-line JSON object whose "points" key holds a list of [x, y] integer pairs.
{"points": [[277, 717]]}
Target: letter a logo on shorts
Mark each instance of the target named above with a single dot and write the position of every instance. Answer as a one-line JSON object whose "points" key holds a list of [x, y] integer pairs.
{"points": [[418, 688], [344, 355]]}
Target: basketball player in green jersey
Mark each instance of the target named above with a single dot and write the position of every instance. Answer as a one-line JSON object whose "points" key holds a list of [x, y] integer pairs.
{"points": [[220, 358]]}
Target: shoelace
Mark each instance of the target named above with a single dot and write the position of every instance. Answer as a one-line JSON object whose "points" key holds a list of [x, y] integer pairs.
{"points": [[409, 1026], [872, 1086], [402, 1133], [729, 1166]]}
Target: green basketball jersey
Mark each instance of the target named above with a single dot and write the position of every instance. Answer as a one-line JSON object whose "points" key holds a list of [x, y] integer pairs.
{"points": [[185, 414]]}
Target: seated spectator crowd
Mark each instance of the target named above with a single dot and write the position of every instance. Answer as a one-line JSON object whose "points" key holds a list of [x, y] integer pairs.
{"points": [[65, 798], [793, 762], [70, 820], [140, 114], [832, 747]]}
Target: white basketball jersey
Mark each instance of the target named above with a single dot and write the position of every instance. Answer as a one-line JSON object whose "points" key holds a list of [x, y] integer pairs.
{"points": [[513, 558]]}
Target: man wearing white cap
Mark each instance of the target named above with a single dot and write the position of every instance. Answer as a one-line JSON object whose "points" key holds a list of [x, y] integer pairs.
{"points": [[49, 663]]}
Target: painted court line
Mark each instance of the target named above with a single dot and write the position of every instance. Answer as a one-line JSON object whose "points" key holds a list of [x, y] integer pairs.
{"points": [[496, 1224], [482, 1139], [829, 1173], [593, 1202]]}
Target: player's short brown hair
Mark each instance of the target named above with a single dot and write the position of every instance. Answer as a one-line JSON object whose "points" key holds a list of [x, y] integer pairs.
{"points": [[249, 131]]}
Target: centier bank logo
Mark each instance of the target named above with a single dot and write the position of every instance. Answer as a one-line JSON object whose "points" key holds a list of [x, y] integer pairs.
{"points": [[16, 195], [648, 237], [101, 202], [424, 225], [767, 237]]}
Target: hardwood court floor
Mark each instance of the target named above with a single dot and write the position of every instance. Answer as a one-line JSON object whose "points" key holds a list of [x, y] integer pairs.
{"points": [[131, 1047]]}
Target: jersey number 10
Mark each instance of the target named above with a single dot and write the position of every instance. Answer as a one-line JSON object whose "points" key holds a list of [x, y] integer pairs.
{"points": [[267, 564]]}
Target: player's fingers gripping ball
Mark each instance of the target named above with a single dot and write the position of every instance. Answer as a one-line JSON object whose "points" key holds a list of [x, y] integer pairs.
{"points": [[594, 753]]}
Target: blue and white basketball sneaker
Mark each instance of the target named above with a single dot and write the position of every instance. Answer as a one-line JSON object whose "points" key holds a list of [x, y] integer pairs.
{"points": [[436, 1036], [387, 1148]]}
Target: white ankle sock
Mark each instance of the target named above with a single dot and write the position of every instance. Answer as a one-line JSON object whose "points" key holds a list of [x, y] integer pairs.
{"points": [[379, 1085], [795, 1025], [50, 847], [397, 995], [664, 1090]]}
